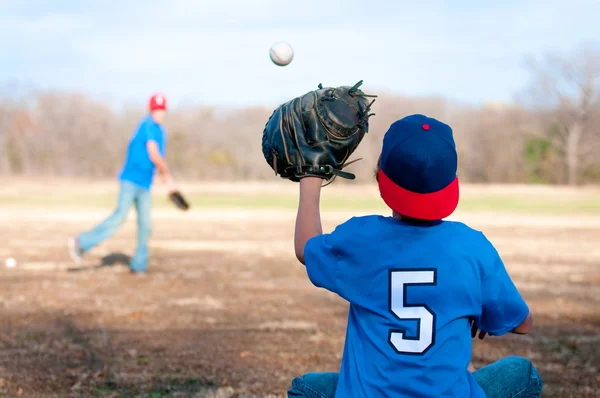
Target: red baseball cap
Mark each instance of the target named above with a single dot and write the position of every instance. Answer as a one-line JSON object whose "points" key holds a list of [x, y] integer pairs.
{"points": [[157, 101]]}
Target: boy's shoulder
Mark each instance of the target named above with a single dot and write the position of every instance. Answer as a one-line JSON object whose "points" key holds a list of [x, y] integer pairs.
{"points": [[475, 242], [463, 228], [359, 223], [473, 238], [357, 228], [148, 121]]}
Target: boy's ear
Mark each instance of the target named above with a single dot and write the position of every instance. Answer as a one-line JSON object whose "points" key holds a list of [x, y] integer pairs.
{"points": [[377, 169]]}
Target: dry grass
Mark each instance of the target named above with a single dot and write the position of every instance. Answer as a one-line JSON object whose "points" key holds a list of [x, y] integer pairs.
{"points": [[227, 310]]}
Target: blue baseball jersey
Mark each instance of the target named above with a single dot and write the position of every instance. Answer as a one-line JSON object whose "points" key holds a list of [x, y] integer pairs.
{"points": [[413, 289], [138, 167]]}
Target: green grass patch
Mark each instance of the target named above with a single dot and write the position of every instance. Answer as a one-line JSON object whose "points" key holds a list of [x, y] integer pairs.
{"points": [[584, 204], [536, 205]]}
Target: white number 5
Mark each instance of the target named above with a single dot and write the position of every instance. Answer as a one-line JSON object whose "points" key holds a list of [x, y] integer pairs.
{"points": [[400, 279]]}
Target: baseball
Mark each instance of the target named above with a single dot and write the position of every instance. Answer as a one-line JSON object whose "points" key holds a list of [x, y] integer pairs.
{"points": [[10, 262], [281, 53]]}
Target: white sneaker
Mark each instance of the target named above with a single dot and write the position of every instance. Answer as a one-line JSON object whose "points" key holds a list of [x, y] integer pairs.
{"points": [[75, 251]]}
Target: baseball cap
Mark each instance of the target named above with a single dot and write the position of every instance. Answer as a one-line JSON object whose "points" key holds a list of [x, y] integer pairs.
{"points": [[157, 101], [418, 166]]}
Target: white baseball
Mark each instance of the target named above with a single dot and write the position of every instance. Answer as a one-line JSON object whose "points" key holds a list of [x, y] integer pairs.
{"points": [[10, 262], [281, 53]]}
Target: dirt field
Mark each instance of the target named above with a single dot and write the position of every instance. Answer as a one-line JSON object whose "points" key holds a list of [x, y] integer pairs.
{"points": [[226, 311]]}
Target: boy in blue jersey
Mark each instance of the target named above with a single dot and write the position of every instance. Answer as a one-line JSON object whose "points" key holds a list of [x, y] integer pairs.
{"points": [[145, 154], [419, 287]]}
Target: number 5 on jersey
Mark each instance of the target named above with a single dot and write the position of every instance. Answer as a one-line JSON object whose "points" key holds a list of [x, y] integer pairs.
{"points": [[400, 282]]}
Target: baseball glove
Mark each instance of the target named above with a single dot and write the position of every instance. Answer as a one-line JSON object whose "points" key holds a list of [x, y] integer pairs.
{"points": [[177, 198], [315, 134]]}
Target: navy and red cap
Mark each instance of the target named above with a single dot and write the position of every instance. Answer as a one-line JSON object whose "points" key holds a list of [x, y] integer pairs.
{"points": [[418, 166]]}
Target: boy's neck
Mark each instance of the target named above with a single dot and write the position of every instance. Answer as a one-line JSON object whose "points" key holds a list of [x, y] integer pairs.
{"points": [[415, 221]]}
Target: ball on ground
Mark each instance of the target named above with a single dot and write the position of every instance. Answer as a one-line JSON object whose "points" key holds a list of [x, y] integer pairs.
{"points": [[281, 53], [10, 262]]}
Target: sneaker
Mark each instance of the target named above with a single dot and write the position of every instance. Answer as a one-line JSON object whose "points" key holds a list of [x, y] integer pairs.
{"points": [[75, 251]]}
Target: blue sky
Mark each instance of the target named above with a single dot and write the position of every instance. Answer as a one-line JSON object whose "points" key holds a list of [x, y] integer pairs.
{"points": [[216, 52]]}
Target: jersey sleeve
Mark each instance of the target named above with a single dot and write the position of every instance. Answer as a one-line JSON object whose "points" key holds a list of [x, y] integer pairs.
{"points": [[152, 133], [321, 260], [324, 256], [503, 308]]}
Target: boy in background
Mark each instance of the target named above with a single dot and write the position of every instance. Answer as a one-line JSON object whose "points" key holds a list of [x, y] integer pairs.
{"points": [[145, 154]]}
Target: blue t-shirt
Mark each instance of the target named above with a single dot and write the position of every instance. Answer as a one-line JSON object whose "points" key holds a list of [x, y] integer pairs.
{"points": [[412, 291], [138, 167]]}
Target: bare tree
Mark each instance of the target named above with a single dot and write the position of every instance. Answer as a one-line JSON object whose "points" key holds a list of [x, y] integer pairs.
{"points": [[567, 88], [71, 134]]}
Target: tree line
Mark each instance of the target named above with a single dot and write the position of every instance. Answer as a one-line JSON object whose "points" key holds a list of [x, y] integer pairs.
{"points": [[550, 134]]}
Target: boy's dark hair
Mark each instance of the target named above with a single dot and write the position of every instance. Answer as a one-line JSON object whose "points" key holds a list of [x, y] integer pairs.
{"points": [[377, 168], [405, 218]]}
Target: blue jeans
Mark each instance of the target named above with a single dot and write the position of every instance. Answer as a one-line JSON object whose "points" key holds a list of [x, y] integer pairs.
{"points": [[129, 194], [510, 377]]}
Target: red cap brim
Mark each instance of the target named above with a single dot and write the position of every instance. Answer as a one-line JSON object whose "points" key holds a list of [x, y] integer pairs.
{"points": [[423, 206]]}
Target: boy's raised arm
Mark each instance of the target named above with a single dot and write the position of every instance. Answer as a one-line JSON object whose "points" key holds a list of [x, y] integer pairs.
{"points": [[308, 220]]}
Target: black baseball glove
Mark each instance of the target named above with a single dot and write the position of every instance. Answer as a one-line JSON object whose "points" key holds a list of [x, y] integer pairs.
{"points": [[178, 200], [315, 134]]}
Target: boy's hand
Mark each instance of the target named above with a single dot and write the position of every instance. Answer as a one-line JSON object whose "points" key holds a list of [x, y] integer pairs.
{"points": [[475, 329], [171, 187], [168, 181]]}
